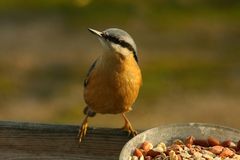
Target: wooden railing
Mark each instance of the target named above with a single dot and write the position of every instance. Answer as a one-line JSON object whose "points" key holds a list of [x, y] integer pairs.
{"points": [[31, 141]]}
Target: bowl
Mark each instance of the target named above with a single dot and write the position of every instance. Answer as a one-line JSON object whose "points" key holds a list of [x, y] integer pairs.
{"points": [[168, 133]]}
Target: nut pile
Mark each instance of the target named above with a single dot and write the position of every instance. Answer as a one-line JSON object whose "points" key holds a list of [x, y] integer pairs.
{"points": [[189, 149]]}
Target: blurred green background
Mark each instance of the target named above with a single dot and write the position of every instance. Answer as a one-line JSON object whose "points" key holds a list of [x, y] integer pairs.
{"points": [[189, 55]]}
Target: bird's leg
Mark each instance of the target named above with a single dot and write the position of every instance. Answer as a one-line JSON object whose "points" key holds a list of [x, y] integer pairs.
{"points": [[83, 129], [128, 127]]}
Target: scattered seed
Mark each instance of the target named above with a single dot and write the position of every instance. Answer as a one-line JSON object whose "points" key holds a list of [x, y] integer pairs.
{"points": [[226, 153], [192, 149], [146, 146], [161, 147], [201, 142], [238, 146], [134, 158], [189, 141], [213, 141], [137, 153], [173, 155]]}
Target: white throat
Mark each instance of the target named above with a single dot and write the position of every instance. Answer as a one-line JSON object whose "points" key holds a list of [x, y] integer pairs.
{"points": [[119, 49], [111, 48]]}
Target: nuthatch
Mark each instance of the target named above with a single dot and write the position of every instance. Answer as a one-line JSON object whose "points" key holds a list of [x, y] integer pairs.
{"points": [[114, 79]]}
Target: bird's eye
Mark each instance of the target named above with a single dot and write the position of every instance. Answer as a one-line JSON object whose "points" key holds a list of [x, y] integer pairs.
{"points": [[103, 35]]}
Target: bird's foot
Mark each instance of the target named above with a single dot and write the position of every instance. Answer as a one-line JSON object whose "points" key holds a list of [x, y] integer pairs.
{"points": [[83, 130], [128, 127]]}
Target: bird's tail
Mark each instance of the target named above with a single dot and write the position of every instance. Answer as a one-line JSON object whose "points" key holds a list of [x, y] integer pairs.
{"points": [[88, 111]]}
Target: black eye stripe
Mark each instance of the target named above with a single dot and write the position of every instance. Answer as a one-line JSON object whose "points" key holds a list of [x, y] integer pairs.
{"points": [[121, 43]]}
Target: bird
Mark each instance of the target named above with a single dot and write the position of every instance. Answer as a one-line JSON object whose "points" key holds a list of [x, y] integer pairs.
{"points": [[114, 79]]}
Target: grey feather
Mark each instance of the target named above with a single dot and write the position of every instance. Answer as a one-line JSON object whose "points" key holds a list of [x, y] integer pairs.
{"points": [[122, 38]]}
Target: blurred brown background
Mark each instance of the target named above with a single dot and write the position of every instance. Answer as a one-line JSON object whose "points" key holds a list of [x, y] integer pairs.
{"points": [[189, 54]]}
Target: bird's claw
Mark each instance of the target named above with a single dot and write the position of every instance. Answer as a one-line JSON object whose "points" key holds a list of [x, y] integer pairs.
{"points": [[132, 133], [129, 129]]}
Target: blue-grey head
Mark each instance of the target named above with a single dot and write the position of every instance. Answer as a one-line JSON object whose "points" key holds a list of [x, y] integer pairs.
{"points": [[117, 40]]}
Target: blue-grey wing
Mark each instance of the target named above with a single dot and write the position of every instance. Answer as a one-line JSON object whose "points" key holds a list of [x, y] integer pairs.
{"points": [[89, 72]]}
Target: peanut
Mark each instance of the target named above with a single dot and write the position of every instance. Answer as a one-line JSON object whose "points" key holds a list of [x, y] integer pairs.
{"points": [[213, 141]]}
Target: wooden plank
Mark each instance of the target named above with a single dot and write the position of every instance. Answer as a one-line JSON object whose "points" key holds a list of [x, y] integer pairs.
{"points": [[49, 141]]}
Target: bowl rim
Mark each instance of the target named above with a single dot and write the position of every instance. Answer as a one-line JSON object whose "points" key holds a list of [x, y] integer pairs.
{"points": [[196, 124]]}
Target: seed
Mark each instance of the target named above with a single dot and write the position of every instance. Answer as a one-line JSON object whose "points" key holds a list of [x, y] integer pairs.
{"points": [[197, 155], [152, 153], [201, 142], [226, 153], [236, 157], [178, 141], [238, 146], [189, 141], [185, 154], [161, 156], [148, 158], [179, 157], [146, 146], [134, 158], [161, 147], [226, 143], [176, 148], [137, 153], [143, 152], [141, 158], [173, 155], [213, 141], [208, 154], [216, 149]]}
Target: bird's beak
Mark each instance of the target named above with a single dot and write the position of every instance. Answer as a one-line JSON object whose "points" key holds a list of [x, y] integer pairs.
{"points": [[95, 32]]}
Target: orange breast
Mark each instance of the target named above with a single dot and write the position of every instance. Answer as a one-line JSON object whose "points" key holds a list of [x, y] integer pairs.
{"points": [[113, 87]]}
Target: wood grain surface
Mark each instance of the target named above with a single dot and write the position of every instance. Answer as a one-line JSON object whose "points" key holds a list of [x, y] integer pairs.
{"points": [[27, 141]]}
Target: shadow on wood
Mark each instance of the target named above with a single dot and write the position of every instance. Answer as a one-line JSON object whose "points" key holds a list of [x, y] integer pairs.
{"points": [[48, 141]]}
